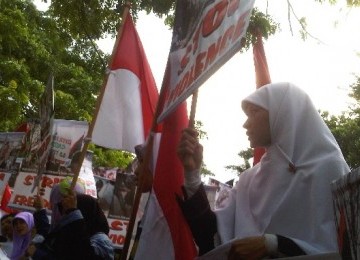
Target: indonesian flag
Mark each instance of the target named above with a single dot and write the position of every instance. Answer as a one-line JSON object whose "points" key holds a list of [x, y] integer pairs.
{"points": [[262, 78], [127, 108], [5, 200], [166, 234]]}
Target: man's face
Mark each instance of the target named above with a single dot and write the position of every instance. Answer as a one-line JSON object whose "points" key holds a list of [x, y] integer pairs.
{"points": [[257, 126]]}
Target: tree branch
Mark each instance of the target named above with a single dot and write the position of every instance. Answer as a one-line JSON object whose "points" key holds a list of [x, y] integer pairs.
{"points": [[291, 11]]}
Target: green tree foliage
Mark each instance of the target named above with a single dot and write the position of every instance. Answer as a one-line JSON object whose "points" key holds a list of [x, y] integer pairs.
{"points": [[203, 135], [62, 41], [245, 156], [346, 128], [110, 158], [32, 45]]}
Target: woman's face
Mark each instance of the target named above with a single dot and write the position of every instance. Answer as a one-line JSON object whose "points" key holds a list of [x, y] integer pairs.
{"points": [[7, 227], [20, 226], [257, 125]]}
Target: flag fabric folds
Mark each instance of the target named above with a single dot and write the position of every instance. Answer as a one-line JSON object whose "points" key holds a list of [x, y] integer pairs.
{"points": [[165, 233], [262, 77], [127, 108]]}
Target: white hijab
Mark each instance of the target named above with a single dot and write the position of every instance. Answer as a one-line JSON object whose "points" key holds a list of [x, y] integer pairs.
{"points": [[270, 198]]}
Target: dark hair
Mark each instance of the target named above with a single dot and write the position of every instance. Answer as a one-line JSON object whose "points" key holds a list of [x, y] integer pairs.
{"points": [[7, 216]]}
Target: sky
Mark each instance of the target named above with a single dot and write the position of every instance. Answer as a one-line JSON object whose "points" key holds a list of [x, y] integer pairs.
{"points": [[324, 70]]}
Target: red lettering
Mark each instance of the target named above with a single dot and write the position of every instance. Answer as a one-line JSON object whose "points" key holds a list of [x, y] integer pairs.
{"points": [[227, 36], [239, 27], [20, 199], [28, 180], [120, 240], [46, 182], [212, 52], [116, 225], [185, 60], [196, 39], [117, 239], [214, 18], [199, 65], [233, 6]]}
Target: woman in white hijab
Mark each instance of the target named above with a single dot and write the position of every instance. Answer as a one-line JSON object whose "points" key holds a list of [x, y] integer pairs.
{"points": [[282, 206]]}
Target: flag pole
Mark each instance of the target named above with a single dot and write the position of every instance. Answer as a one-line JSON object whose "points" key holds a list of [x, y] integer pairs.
{"points": [[262, 77], [146, 163], [193, 109], [98, 102], [147, 158]]}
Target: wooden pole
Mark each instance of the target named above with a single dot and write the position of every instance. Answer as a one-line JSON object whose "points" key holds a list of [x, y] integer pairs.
{"points": [[193, 109], [87, 140], [146, 162]]}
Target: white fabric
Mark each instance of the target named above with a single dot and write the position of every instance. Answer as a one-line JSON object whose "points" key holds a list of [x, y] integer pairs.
{"points": [[269, 198], [119, 124], [155, 229]]}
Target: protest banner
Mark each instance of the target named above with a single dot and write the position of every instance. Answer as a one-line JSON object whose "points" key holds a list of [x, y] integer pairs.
{"points": [[22, 197], [123, 196], [32, 130], [206, 35], [11, 144], [67, 142]]}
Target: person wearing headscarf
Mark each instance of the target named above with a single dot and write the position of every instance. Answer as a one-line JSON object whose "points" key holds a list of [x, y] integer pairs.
{"points": [[23, 223], [74, 221], [282, 206], [6, 238], [97, 226]]}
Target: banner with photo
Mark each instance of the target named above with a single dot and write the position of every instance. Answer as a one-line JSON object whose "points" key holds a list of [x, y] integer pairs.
{"points": [[11, 145], [222, 193], [206, 34], [68, 136], [116, 191]]}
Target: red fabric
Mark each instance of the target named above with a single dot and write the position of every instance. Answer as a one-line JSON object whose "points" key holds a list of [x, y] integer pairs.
{"points": [[5, 200], [138, 64], [24, 127], [168, 181], [262, 78]]}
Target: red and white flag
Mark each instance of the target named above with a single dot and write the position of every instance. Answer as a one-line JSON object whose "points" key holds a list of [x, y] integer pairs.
{"points": [[166, 234], [127, 108]]}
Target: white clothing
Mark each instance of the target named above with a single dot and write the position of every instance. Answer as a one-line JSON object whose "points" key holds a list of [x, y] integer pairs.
{"points": [[288, 192]]}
